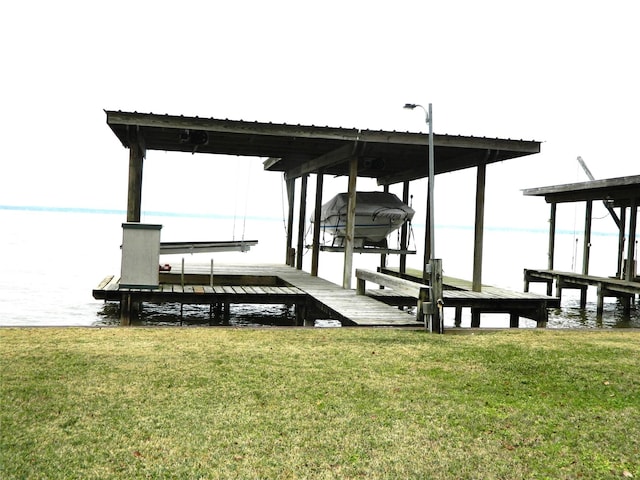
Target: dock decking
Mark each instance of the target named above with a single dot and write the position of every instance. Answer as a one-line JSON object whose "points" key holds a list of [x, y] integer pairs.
{"points": [[259, 284], [281, 284], [457, 293], [606, 286]]}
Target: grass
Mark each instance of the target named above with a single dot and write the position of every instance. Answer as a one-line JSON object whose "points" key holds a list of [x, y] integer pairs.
{"points": [[318, 403]]}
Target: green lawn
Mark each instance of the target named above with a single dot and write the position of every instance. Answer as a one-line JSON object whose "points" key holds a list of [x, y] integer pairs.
{"points": [[318, 403]]}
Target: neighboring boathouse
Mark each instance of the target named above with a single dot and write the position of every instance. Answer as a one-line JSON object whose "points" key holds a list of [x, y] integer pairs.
{"points": [[621, 197], [299, 152]]}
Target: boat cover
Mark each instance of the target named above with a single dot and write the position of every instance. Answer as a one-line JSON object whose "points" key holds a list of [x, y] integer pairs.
{"points": [[375, 204]]}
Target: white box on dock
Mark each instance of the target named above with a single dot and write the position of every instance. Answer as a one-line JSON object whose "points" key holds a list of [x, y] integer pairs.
{"points": [[140, 255]]}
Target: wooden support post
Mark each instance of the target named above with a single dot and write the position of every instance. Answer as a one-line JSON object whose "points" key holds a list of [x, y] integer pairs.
{"points": [[315, 252], [125, 310], [458, 317], [301, 221], [301, 310], [600, 301], [586, 250], [436, 295], [137, 152], [404, 230], [631, 247], [383, 256], [552, 244], [583, 297], [291, 191], [514, 320], [475, 318], [543, 317], [226, 313], [587, 237], [479, 229], [621, 237], [351, 224], [625, 300], [559, 286]]}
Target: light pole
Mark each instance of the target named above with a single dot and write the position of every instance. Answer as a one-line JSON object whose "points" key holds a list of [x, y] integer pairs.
{"points": [[431, 268], [431, 243]]}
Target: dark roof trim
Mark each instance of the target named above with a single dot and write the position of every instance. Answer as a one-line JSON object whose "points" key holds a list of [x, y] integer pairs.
{"points": [[622, 191]]}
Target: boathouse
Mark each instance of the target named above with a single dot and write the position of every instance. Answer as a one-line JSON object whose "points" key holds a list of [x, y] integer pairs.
{"points": [[621, 197], [297, 152]]}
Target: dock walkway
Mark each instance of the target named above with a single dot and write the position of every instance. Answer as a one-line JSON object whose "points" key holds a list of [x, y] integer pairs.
{"points": [[458, 293], [606, 286], [259, 284]]}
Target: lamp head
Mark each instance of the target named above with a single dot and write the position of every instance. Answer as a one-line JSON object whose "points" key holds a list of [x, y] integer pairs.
{"points": [[410, 106]]}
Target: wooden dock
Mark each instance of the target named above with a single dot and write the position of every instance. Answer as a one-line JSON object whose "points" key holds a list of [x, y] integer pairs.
{"points": [[458, 294], [606, 286], [258, 284]]}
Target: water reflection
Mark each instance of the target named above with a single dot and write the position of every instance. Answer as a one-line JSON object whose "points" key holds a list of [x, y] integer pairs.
{"points": [[174, 314], [613, 315]]}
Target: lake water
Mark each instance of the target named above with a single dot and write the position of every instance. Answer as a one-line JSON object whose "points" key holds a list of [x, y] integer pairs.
{"points": [[52, 259]]}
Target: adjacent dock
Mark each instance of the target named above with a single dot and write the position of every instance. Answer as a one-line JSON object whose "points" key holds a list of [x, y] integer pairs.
{"points": [[606, 286]]}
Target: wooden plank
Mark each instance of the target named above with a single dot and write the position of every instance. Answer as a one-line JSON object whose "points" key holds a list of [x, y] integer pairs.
{"points": [[104, 282], [402, 286]]}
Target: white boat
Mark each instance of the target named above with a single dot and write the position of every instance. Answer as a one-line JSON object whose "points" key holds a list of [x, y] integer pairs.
{"points": [[377, 215]]}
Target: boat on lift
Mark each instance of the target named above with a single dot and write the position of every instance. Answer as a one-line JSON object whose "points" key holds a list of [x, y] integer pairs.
{"points": [[377, 215]]}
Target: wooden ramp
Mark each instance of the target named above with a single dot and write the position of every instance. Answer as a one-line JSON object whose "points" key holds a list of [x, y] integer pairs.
{"points": [[344, 304]]}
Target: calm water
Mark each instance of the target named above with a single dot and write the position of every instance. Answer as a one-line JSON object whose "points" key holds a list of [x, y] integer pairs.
{"points": [[51, 260]]}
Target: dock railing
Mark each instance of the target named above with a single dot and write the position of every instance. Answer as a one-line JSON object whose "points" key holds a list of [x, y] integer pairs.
{"points": [[429, 302]]}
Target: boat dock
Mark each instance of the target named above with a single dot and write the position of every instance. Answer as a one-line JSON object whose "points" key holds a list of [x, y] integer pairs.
{"points": [[459, 294], [606, 287], [621, 193], [393, 159], [313, 297]]}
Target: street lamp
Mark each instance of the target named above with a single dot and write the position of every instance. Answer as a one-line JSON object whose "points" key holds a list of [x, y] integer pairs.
{"points": [[431, 268], [431, 243]]}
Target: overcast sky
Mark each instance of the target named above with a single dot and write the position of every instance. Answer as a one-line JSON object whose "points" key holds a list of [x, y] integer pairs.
{"points": [[561, 72]]}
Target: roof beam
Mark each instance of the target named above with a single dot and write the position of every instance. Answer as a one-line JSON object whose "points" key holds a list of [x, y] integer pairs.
{"points": [[462, 162], [339, 155]]}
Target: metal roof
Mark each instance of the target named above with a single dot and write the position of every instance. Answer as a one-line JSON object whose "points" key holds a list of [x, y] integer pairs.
{"points": [[388, 156], [621, 191]]}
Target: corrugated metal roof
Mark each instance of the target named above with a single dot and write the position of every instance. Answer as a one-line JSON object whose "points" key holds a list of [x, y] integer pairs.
{"points": [[389, 156]]}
